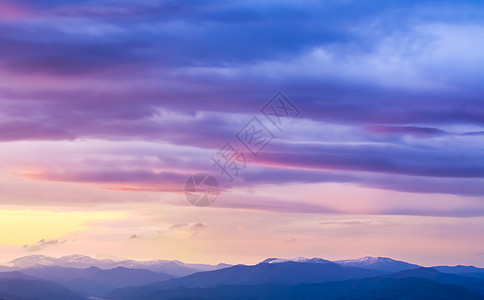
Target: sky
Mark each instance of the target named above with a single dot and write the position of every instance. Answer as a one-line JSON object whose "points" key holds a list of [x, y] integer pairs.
{"points": [[108, 107]]}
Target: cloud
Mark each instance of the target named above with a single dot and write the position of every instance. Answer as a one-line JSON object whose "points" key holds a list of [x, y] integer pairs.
{"points": [[197, 227], [389, 92], [43, 244], [422, 132], [353, 222], [178, 226], [379, 158]]}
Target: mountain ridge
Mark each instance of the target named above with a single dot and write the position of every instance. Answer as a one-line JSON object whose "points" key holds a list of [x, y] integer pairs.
{"points": [[172, 267], [317, 278], [90, 277], [262, 273]]}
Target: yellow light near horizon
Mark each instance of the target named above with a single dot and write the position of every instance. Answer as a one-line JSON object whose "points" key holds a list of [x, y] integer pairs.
{"points": [[19, 227]]}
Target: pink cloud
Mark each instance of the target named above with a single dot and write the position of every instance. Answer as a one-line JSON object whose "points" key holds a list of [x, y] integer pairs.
{"points": [[13, 11]]}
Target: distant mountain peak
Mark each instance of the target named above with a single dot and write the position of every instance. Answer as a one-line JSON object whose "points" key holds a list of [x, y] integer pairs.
{"points": [[377, 263], [314, 260], [31, 260], [103, 256], [172, 267], [79, 258], [371, 259]]}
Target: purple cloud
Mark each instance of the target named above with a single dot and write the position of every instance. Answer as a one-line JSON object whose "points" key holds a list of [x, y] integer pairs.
{"points": [[405, 109]]}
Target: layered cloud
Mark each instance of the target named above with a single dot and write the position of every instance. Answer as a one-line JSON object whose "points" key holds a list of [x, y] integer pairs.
{"points": [[42, 244], [137, 96]]}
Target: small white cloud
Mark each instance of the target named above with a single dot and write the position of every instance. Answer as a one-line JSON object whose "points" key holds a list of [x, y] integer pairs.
{"points": [[42, 244]]}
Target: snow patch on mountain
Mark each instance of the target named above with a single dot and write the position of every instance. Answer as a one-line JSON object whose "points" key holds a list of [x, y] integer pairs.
{"points": [[377, 263], [314, 260]]}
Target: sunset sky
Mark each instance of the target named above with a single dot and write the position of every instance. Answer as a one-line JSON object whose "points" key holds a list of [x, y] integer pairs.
{"points": [[107, 107]]}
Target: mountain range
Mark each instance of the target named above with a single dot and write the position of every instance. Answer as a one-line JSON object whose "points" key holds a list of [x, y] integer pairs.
{"points": [[83, 277], [94, 281], [171, 267], [411, 288], [18, 286], [263, 273]]}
